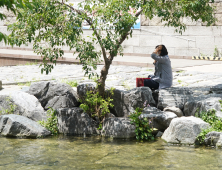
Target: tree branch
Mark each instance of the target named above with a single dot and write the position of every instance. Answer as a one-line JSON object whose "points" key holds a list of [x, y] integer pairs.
{"points": [[89, 20], [123, 37]]}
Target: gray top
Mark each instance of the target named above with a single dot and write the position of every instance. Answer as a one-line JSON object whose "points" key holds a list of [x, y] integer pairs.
{"points": [[163, 71]]}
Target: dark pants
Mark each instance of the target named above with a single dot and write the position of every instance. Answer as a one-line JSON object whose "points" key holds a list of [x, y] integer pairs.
{"points": [[153, 85]]}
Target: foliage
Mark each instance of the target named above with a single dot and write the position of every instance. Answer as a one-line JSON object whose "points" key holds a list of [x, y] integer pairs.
{"points": [[51, 122], [214, 121], [143, 125], [51, 24], [216, 52], [72, 83], [10, 6], [95, 105], [11, 108]]}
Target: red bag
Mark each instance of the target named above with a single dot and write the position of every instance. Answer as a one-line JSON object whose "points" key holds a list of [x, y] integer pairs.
{"points": [[140, 81]]}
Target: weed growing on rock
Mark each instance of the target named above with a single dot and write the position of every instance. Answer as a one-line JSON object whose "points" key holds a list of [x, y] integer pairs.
{"points": [[51, 122], [214, 121], [11, 108], [143, 125]]}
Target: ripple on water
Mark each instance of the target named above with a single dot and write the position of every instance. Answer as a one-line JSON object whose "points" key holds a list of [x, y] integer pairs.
{"points": [[64, 152]]}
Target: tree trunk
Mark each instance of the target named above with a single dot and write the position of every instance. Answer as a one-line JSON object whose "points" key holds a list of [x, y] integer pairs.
{"points": [[103, 76]]}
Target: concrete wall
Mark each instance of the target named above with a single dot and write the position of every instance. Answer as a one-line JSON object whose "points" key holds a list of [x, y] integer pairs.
{"points": [[197, 39]]}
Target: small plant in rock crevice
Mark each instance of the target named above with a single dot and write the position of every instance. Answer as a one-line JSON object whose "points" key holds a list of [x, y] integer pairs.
{"points": [[11, 108], [97, 106], [143, 125], [51, 123], [214, 121]]}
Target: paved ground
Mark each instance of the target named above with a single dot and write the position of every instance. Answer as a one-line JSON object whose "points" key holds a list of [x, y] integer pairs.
{"points": [[196, 73], [125, 60]]}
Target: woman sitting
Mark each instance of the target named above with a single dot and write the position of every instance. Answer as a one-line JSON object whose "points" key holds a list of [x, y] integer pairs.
{"points": [[162, 77]]}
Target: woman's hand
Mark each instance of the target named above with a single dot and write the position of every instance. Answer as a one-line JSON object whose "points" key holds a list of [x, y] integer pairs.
{"points": [[156, 51]]}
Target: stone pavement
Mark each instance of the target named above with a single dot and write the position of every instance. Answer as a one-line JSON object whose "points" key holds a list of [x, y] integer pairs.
{"points": [[190, 73]]}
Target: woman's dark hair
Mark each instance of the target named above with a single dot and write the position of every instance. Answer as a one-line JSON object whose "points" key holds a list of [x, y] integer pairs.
{"points": [[163, 51]]}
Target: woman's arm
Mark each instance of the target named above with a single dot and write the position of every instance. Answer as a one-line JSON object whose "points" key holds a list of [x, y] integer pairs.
{"points": [[160, 59]]}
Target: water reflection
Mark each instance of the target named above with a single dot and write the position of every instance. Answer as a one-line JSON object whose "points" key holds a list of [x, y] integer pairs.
{"points": [[65, 152]]}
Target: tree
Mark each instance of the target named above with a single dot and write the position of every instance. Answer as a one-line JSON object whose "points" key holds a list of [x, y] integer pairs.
{"points": [[51, 24], [10, 6]]}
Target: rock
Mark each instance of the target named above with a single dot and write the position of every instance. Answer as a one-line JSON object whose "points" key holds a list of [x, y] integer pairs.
{"points": [[83, 88], [55, 95], [160, 120], [212, 103], [23, 104], [184, 130], [125, 102], [212, 138], [75, 122], [159, 134], [118, 128], [175, 110], [191, 107], [0, 84], [19, 126], [216, 89], [219, 142], [174, 97], [108, 115], [203, 103], [155, 94]]}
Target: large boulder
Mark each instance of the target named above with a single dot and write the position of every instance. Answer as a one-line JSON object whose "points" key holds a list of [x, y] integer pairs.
{"points": [[75, 122], [203, 103], [53, 94], [125, 102], [174, 97], [184, 130], [118, 128], [159, 119], [22, 103], [19, 126]]}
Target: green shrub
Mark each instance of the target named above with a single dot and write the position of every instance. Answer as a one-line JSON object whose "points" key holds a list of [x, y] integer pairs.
{"points": [[144, 131], [95, 105], [51, 122]]}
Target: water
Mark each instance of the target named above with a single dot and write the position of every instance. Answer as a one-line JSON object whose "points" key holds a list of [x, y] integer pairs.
{"points": [[65, 152]]}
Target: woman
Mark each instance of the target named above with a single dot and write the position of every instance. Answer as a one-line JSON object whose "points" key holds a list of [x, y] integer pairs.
{"points": [[162, 77]]}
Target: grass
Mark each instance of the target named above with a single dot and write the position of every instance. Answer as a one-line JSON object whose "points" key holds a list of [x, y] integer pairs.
{"points": [[181, 71], [25, 84], [125, 85], [149, 69], [179, 81], [72, 83], [31, 63]]}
